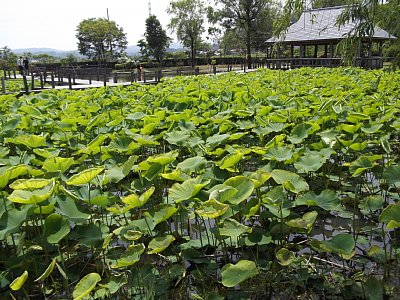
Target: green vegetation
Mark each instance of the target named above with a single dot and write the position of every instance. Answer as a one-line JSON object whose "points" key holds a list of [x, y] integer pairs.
{"points": [[264, 184]]}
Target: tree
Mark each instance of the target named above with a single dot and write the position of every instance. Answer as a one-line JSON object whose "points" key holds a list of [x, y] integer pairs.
{"points": [[246, 16], [156, 38], [7, 59], [101, 39], [187, 21]]}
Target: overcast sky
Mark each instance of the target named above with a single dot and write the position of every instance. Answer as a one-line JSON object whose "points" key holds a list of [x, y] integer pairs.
{"points": [[53, 23]]}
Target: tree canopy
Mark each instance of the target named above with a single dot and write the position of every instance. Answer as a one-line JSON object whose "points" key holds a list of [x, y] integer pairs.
{"points": [[157, 39], [101, 39], [187, 20], [252, 18]]}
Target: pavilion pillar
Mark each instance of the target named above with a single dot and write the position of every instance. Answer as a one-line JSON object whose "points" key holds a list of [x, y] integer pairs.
{"points": [[326, 51], [315, 51], [291, 51], [301, 51]]}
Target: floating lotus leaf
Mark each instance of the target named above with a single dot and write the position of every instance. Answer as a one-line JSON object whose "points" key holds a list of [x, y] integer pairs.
{"points": [[371, 204], [192, 164], [212, 209], [392, 175], [244, 187], [305, 222], [85, 286], [285, 257], [134, 200], [57, 164], [235, 274], [279, 153], [342, 244], [160, 243], [310, 162]]}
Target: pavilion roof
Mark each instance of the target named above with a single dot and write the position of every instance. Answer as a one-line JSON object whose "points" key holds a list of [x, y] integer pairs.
{"points": [[319, 25]]}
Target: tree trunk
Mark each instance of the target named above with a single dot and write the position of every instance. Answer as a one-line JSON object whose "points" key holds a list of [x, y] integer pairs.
{"points": [[192, 50]]}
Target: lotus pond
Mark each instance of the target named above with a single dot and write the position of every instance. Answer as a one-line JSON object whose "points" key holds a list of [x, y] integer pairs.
{"points": [[263, 185]]}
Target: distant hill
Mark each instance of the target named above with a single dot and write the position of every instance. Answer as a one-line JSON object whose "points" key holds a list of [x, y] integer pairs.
{"points": [[49, 51], [131, 50]]}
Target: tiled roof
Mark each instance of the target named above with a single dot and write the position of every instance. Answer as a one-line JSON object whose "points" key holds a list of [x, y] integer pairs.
{"points": [[320, 24]]}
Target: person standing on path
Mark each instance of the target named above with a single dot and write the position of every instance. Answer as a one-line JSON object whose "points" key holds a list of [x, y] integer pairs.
{"points": [[20, 65], [26, 65]]}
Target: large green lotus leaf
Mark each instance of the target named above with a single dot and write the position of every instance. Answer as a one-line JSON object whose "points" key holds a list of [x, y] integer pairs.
{"points": [[32, 197], [72, 209], [160, 243], [176, 175], [48, 270], [116, 282], [132, 235], [374, 288], [11, 173], [129, 164], [279, 153], [342, 244], [371, 204], [129, 257], [258, 236], [305, 222], [290, 181], [222, 193], [233, 229], [310, 162], [356, 117], [30, 184], [46, 153], [235, 274], [136, 116], [371, 127], [260, 177], [391, 216], [392, 175], [85, 176], [178, 138], [360, 165], [85, 286], [138, 201], [230, 161], [212, 209], [244, 187], [163, 159], [31, 141], [327, 200], [19, 281], [153, 171], [188, 189], [192, 165], [162, 213], [216, 140], [115, 174], [97, 141], [90, 235], [12, 219], [299, 133], [57, 164], [251, 207], [329, 137], [285, 257], [56, 227]]}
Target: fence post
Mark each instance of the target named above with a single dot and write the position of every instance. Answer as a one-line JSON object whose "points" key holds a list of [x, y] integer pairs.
{"points": [[90, 79], [41, 81], [53, 84], [33, 82], [15, 75], [197, 71], [132, 76], [215, 70], [3, 85], [9, 74], [69, 82], [73, 79], [159, 75], [144, 76], [105, 79], [115, 79], [25, 84]]}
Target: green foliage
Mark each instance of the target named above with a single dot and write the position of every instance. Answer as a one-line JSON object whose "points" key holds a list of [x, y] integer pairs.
{"points": [[101, 39], [264, 184]]}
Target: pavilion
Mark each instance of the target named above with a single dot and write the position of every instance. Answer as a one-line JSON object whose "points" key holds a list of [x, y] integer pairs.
{"points": [[312, 40]]}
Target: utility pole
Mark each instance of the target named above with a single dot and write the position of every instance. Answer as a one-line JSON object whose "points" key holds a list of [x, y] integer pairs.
{"points": [[149, 8]]}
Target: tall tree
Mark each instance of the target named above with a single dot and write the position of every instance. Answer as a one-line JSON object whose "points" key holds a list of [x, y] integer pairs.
{"points": [[7, 59], [187, 19], [156, 38], [244, 15], [101, 39]]}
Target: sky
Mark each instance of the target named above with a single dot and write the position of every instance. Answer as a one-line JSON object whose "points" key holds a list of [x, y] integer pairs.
{"points": [[53, 23]]}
